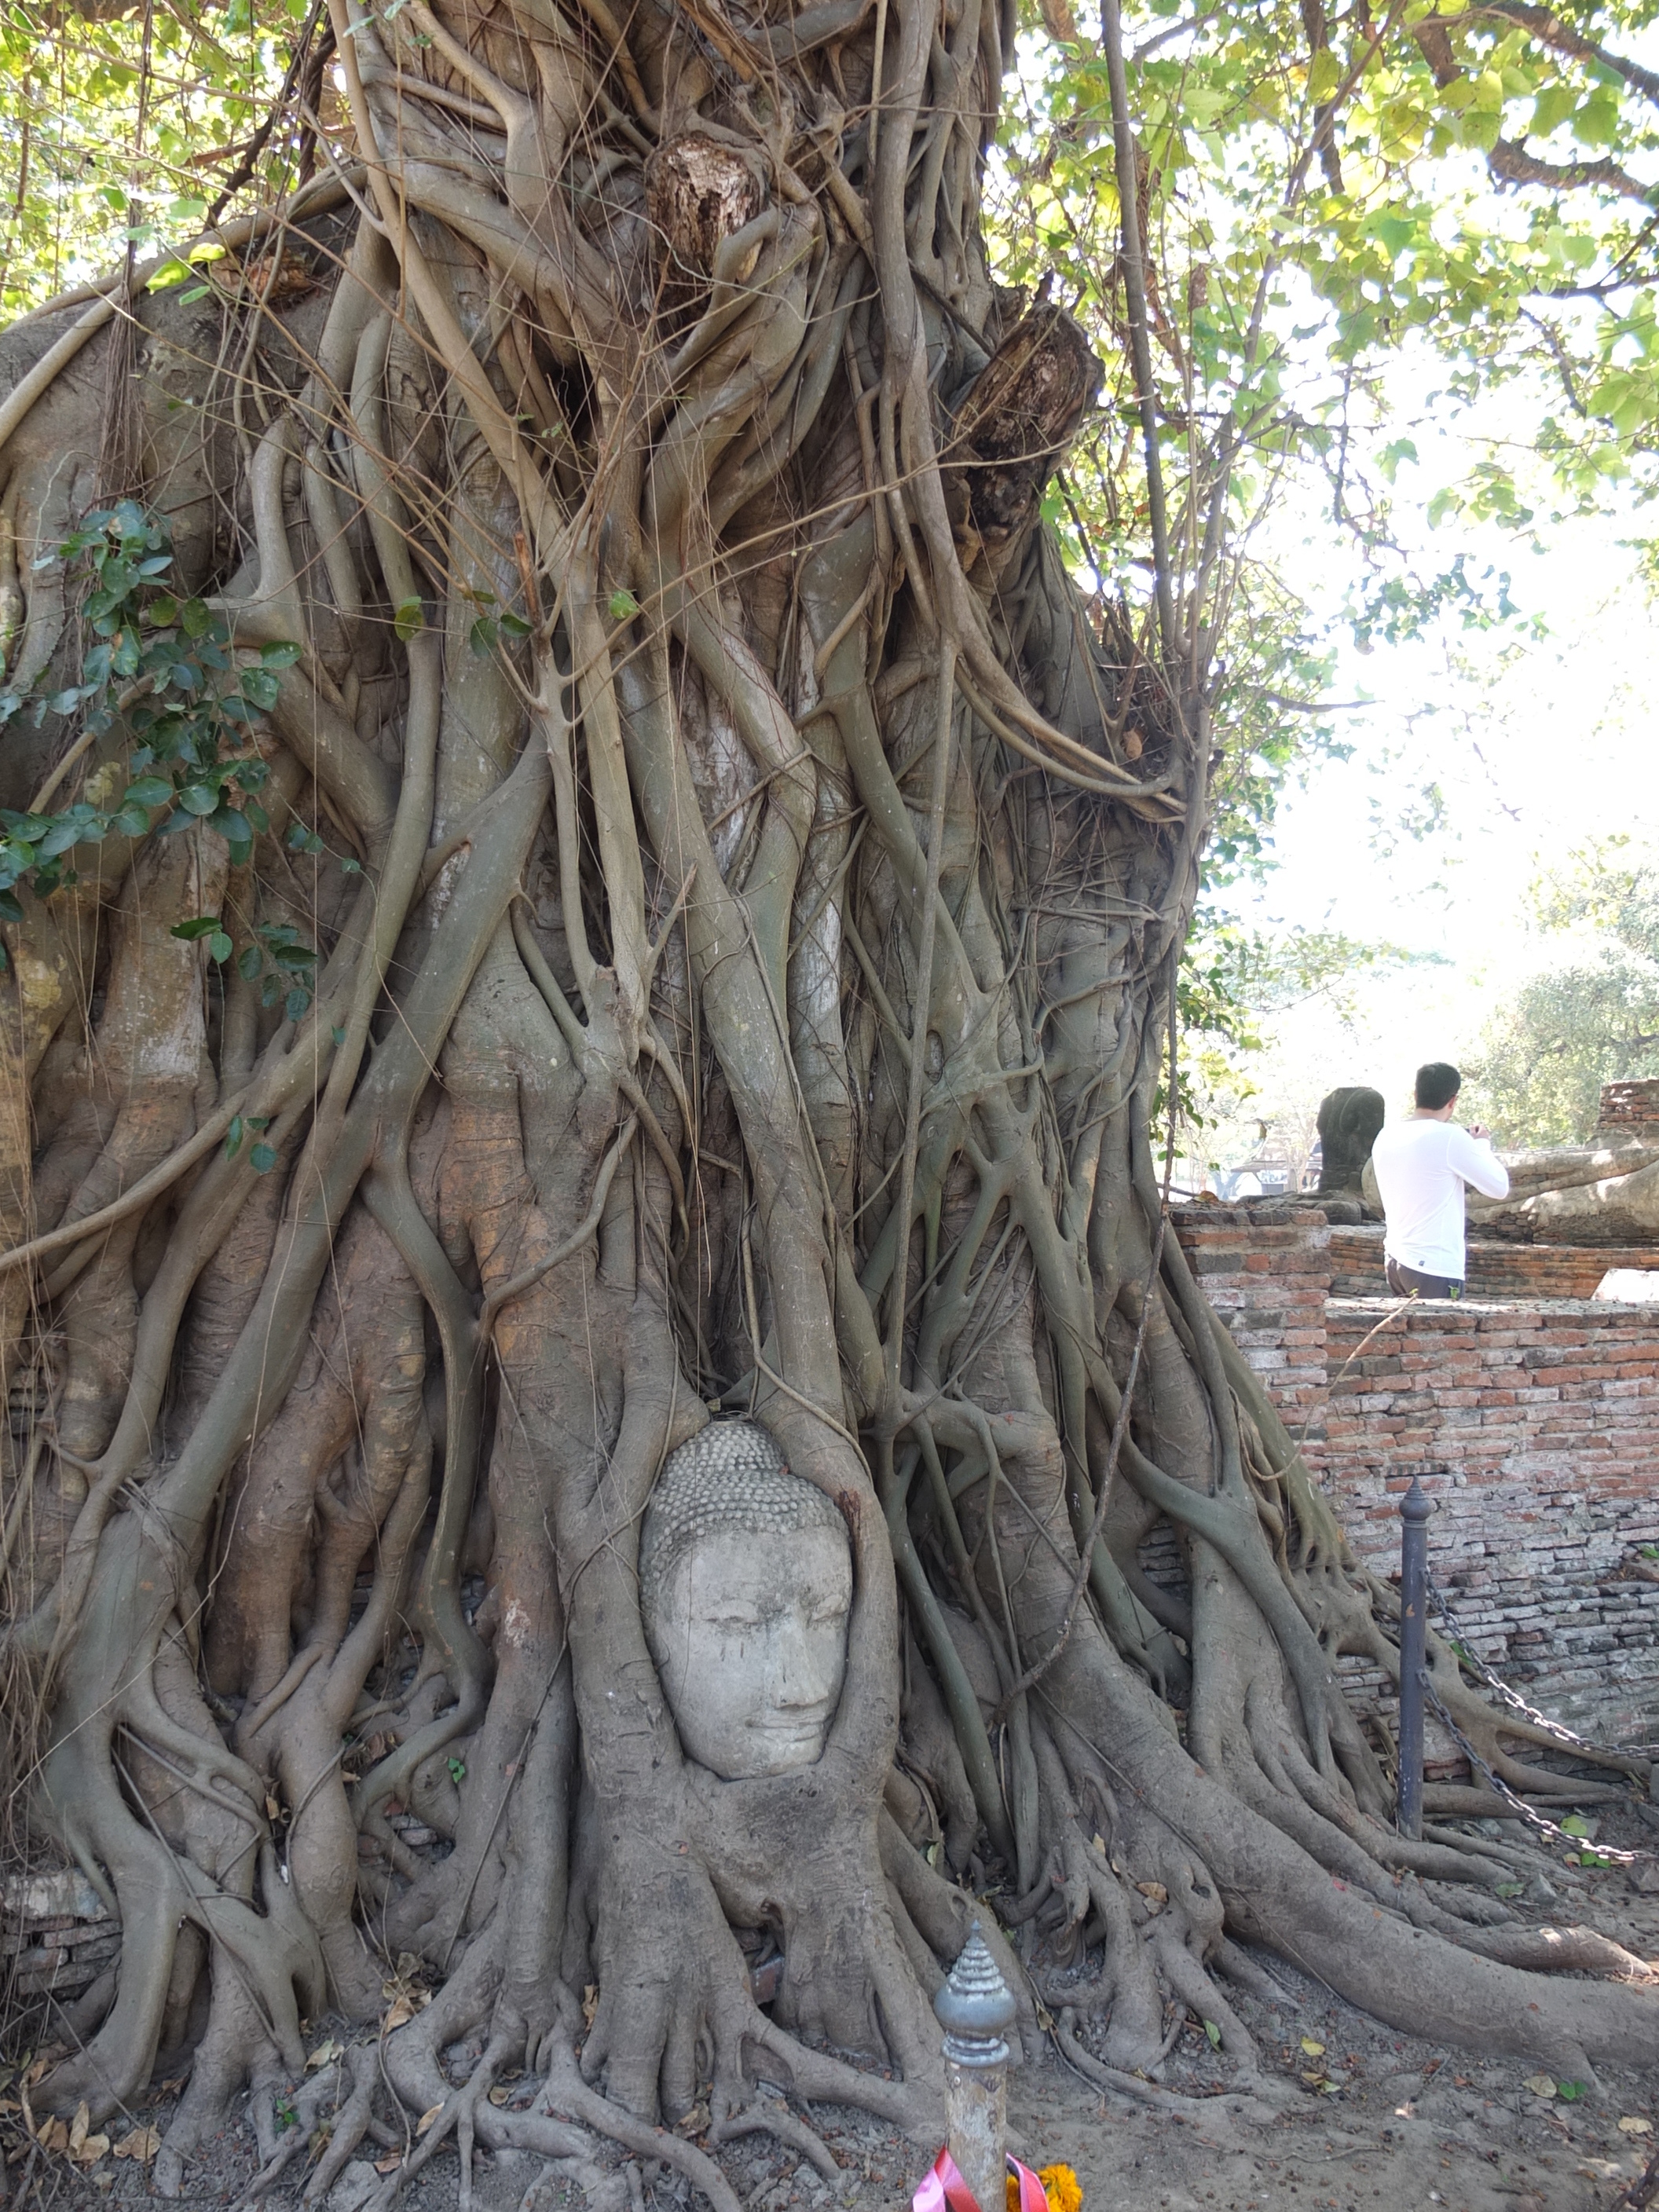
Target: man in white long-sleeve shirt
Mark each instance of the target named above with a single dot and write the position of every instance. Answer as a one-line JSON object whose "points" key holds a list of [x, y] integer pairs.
{"points": [[1422, 1165]]}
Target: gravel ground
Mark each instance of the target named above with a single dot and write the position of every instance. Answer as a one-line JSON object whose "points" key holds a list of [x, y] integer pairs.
{"points": [[1368, 2118]]}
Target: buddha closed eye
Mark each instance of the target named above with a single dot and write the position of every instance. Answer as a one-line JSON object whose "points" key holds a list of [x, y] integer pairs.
{"points": [[745, 1587]]}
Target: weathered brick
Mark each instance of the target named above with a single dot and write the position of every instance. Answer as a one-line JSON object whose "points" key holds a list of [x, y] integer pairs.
{"points": [[1537, 1410]]}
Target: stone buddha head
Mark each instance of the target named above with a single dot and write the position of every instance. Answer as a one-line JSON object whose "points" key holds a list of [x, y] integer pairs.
{"points": [[745, 1587]]}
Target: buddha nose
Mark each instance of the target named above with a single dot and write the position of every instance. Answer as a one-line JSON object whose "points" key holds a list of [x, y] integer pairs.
{"points": [[794, 1677]]}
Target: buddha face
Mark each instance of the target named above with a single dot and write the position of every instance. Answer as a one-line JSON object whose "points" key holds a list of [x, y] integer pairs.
{"points": [[747, 1625]]}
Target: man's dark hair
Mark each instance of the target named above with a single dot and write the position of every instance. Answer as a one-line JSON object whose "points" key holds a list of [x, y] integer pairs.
{"points": [[1437, 1085]]}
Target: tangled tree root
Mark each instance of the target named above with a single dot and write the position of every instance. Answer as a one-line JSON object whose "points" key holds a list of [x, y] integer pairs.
{"points": [[746, 880]]}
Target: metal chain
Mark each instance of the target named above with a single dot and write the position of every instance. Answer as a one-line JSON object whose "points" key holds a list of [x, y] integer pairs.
{"points": [[1529, 1812], [1512, 1697]]}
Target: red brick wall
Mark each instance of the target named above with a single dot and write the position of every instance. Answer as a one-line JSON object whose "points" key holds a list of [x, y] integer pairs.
{"points": [[1497, 1269], [1539, 1418]]}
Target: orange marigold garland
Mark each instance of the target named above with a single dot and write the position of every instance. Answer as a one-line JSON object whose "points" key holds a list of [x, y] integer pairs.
{"points": [[1060, 2185]]}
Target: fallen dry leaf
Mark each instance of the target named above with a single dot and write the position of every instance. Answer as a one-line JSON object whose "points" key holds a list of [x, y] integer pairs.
{"points": [[1541, 2085], [52, 2134], [398, 2015], [89, 2150], [142, 2144], [273, 1808], [692, 2123], [324, 2054], [427, 2118], [500, 2093], [1634, 2124], [1154, 1892], [1314, 2050], [390, 2163], [590, 2002]]}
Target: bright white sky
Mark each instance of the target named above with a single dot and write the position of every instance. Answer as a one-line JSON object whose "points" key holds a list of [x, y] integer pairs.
{"points": [[1537, 746]]}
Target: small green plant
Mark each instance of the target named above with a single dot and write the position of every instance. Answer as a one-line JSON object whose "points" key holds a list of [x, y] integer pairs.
{"points": [[1570, 2092], [164, 667], [458, 1772], [263, 1157]]}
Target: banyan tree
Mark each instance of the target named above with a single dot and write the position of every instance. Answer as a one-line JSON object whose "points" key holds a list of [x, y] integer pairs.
{"points": [[594, 920]]}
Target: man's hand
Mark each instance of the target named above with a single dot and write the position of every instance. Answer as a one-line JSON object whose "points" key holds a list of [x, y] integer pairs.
{"points": [[1475, 1129]]}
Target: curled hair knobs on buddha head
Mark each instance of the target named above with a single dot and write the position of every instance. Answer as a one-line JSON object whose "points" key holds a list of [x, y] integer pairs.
{"points": [[730, 1476]]}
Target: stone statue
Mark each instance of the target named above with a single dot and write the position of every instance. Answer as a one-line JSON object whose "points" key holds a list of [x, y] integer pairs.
{"points": [[1349, 1119], [1605, 1192], [745, 1588]]}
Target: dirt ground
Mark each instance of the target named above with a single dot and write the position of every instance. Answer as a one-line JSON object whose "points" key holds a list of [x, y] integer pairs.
{"points": [[1371, 2120]]}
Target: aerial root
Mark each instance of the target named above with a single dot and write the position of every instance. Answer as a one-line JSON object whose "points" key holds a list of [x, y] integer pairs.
{"points": [[1253, 2091], [765, 2116], [455, 2115], [566, 2092], [282, 2147], [351, 2124]]}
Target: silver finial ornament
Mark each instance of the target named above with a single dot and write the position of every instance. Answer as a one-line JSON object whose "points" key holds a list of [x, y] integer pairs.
{"points": [[974, 2007]]}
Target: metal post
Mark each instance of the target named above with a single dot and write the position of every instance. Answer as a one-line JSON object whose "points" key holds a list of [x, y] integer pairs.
{"points": [[974, 2007], [1414, 1512]]}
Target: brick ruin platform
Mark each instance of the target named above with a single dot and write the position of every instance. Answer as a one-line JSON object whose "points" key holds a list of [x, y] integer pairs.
{"points": [[1496, 1268], [1538, 1413]]}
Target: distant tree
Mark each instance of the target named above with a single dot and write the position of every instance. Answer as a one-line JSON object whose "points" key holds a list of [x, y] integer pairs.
{"points": [[1588, 1017]]}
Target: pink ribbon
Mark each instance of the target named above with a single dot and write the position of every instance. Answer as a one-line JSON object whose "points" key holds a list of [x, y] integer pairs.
{"points": [[942, 2189]]}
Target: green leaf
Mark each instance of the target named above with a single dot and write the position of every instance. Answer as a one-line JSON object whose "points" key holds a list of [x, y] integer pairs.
{"points": [[237, 833], [623, 606], [148, 791], [1324, 76], [232, 1137], [407, 620], [201, 924], [282, 654], [260, 687], [1213, 2033], [515, 626], [262, 1159], [220, 947], [198, 799], [1552, 107], [458, 1772], [296, 1002], [338, 1036], [483, 634], [248, 963], [1570, 2092], [1575, 1825]]}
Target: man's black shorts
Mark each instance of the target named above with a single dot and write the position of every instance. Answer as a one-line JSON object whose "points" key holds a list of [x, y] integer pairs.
{"points": [[1407, 1282]]}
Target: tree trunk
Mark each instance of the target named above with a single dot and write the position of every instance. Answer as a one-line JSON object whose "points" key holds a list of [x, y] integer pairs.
{"points": [[746, 934]]}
